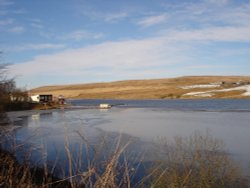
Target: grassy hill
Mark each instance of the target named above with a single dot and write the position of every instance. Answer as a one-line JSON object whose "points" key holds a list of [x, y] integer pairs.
{"points": [[181, 87]]}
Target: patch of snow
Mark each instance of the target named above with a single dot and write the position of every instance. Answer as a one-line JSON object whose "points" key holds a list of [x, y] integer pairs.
{"points": [[246, 88], [206, 95], [216, 83], [200, 86], [200, 94], [247, 93]]}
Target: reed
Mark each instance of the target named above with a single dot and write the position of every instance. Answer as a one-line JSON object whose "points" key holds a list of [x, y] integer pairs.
{"points": [[105, 165], [197, 161]]}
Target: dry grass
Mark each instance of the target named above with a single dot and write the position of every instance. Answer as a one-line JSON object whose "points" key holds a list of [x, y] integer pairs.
{"points": [[113, 170], [138, 89], [13, 174], [198, 161], [230, 94]]}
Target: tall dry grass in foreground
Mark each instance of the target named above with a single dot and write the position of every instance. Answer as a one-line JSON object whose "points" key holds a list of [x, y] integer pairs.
{"points": [[198, 161], [105, 165]]}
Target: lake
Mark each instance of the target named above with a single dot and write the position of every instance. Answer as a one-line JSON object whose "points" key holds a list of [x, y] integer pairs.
{"points": [[142, 122]]}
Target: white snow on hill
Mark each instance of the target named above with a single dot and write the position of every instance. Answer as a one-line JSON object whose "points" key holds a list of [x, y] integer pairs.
{"points": [[246, 88], [200, 86]]}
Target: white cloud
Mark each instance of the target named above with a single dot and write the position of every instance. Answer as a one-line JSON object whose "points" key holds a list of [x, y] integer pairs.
{"points": [[6, 2], [34, 20], [208, 13], [92, 12], [7, 21], [4, 6], [153, 20], [217, 2], [129, 59], [227, 34], [37, 25], [81, 34], [20, 11], [17, 30], [45, 46], [191, 26], [236, 15], [117, 57], [114, 17]]}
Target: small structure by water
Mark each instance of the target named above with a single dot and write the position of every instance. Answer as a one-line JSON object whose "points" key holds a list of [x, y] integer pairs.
{"points": [[42, 98]]}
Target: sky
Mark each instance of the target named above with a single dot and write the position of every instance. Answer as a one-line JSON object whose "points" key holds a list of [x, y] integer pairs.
{"points": [[51, 42]]}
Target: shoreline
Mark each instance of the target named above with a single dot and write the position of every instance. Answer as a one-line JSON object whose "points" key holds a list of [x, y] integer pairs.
{"points": [[15, 116]]}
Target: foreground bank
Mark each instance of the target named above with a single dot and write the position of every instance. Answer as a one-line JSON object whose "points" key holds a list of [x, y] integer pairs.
{"points": [[197, 161]]}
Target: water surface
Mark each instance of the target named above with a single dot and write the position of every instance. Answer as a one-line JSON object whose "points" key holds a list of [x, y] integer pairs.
{"points": [[142, 121]]}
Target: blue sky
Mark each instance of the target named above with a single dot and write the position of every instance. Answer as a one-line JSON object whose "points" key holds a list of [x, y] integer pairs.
{"points": [[52, 42]]}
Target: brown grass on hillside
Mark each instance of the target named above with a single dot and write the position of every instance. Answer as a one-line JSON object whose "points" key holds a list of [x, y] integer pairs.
{"points": [[139, 89]]}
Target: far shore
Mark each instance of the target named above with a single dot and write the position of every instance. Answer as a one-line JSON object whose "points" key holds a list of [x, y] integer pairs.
{"points": [[15, 116]]}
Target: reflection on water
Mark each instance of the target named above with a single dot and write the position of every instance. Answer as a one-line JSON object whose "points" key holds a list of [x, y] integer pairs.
{"points": [[35, 117], [46, 132]]}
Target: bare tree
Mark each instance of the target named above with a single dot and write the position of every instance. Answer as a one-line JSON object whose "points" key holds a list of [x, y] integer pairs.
{"points": [[2, 96], [5, 87], [11, 98]]}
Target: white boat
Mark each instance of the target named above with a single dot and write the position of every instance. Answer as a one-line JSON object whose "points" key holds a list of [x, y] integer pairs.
{"points": [[105, 106]]}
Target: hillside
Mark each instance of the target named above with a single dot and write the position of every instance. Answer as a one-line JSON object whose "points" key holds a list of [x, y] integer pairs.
{"points": [[181, 87]]}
